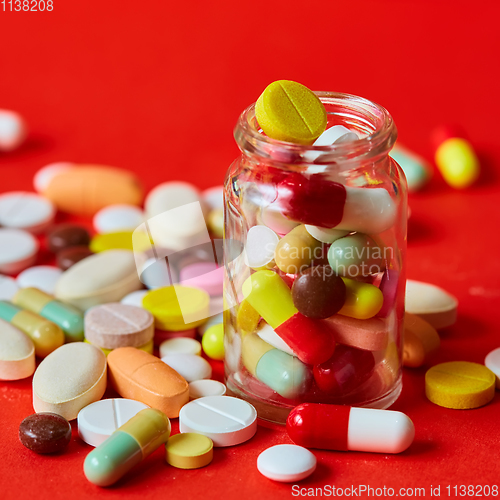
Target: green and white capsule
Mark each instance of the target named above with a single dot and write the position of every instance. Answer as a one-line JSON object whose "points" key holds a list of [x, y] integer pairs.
{"points": [[129, 445], [66, 316]]}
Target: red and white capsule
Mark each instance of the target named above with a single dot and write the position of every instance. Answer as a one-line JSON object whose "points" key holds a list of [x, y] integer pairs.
{"points": [[335, 427]]}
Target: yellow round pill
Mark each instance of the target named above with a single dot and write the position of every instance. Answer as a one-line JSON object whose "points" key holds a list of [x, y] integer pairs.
{"points": [[213, 342], [177, 308], [460, 385], [189, 450], [121, 240], [288, 111]]}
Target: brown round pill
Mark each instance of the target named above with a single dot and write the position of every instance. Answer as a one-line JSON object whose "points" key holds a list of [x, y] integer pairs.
{"points": [[70, 256], [45, 433], [318, 292], [67, 235]]}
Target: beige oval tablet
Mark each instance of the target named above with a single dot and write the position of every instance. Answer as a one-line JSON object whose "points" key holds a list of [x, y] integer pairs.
{"points": [[17, 353], [435, 305], [118, 325], [69, 379], [98, 279]]}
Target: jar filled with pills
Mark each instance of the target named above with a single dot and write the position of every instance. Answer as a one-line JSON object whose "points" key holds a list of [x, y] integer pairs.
{"points": [[315, 300]]}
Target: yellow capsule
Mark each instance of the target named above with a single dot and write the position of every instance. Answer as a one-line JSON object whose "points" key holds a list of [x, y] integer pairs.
{"points": [[362, 301], [252, 349], [296, 250], [457, 162], [289, 111]]}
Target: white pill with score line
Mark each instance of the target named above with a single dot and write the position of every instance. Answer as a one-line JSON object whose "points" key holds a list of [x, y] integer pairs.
{"points": [[97, 421], [286, 463], [227, 421]]}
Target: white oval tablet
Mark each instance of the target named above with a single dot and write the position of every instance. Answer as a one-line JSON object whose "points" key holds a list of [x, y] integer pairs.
{"points": [[180, 345], [260, 246], [213, 320], [17, 353], [28, 211], [189, 366], [227, 421], [206, 387], [492, 362], [97, 421], [13, 130], [8, 287], [432, 303], [43, 177], [42, 277], [115, 218], [213, 197], [170, 195], [286, 463], [134, 298], [18, 250], [268, 334], [68, 379], [325, 235]]}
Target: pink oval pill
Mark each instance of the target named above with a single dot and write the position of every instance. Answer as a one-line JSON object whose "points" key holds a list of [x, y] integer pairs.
{"points": [[204, 275]]}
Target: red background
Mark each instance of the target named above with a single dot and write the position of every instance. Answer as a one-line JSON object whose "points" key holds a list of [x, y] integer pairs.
{"points": [[156, 87]]}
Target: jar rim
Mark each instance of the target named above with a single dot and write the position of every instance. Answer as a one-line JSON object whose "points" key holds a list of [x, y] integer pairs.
{"points": [[373, 117]]}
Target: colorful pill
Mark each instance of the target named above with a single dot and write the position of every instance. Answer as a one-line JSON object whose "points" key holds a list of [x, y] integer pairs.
{"points": [[417, 170], [345, 371], [318, 292], [333, 427], [67, 317], [269, 295], [45, 433], [363, 301], [457, 162], [460, 385], [295, 251], [289, 111], [356, 255], [189, 450], [283, 373], [129, 445], [247, 318], [421, 341], [45, 334], [66, 236], [213, 342]]}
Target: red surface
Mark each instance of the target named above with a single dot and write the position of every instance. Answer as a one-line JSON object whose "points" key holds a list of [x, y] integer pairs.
{"points": [[156, 87]]}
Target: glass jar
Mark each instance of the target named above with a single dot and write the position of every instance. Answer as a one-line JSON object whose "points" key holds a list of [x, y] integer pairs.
{"points": [[336, 210]]}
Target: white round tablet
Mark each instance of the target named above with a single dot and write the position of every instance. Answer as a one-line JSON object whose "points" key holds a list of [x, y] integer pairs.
{"points": [[97, 421], [28, 211], [268, 334], [180, 345], [206, 387], [18, 250], [13, 130], [432, 303], [189, 366], [8, 287], [260, 246], [42, 277], [43, 177], [213, 320], [286, 463], [492, 362], [170, 195], [115, 218], [134, 298], [213, 197], [227, 421]]}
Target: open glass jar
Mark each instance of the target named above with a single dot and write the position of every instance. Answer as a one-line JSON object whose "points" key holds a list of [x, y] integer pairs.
{"points": [[316, 298]]}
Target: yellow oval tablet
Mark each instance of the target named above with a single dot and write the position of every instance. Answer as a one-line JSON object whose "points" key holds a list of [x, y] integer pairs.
{"points": [[460, 385], [177, 308], [189, 450], [288, 111]]}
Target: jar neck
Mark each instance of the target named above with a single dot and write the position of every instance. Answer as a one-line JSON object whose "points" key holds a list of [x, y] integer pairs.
{"points": [[372, 123]]}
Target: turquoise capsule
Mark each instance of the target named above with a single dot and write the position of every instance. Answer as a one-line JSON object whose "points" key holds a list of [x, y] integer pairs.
{"points": [[8, 311], [66, 316], [416, 169], [356, 255], [129, 445]]}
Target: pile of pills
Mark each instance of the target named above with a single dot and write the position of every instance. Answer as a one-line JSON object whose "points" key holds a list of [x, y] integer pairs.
{"points": [[308, 327]]}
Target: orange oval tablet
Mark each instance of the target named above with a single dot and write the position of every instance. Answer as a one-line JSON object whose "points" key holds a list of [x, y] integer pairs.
{"points": [[135, 374], [85, 189]]}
